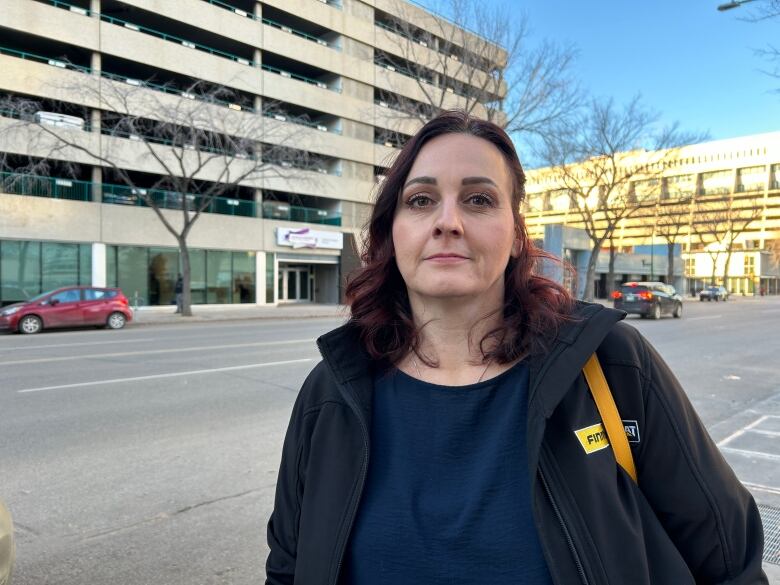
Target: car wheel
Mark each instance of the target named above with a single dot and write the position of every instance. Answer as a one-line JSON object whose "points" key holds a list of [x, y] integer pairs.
{"points": [[677, 313], [656, 314], [30, 324], [116, 320]]}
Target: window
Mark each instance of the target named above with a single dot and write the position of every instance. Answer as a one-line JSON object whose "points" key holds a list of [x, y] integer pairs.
{"points": [[750, 265], [96, 294], [690, 266], [67, 296]]}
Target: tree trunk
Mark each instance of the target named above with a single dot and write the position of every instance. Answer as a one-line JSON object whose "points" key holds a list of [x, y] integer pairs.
{"points": [[714, 270], [726, 268], [186, 304], [611, 271], [591, 272], [670, 263]]}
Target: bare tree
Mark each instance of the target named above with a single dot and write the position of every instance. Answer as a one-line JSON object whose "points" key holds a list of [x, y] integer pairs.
{"points": [[197, 146], [671, 223], [740, 214], [708, 225], [718, 223], [600, 157], [487, 59]]}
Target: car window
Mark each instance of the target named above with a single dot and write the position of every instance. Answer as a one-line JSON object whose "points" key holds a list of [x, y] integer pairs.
{"points": [[96, 294], [66, 296], [632, 289]]}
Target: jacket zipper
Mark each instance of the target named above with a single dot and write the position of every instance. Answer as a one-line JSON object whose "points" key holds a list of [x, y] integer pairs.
{"points": [[566, 532], [356, 500]]}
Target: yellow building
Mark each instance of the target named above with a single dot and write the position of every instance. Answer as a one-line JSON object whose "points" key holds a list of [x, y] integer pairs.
{"points": [[699, 180]]}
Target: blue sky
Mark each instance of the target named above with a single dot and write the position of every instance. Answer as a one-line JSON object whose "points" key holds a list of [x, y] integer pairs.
{"points": [[690, 62]]}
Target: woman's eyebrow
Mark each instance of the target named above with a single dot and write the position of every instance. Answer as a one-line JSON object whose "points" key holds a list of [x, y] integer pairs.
{"points": [[478, 180], [423, 180]]}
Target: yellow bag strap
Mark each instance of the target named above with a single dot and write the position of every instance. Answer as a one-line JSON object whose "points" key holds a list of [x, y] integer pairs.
{"points": [[609, 415]]}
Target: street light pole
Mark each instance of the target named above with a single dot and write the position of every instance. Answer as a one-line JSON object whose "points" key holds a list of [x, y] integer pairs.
{"points": [[734, 4]]}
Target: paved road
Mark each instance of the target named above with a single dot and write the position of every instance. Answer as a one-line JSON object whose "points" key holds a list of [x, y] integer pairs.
{"points": [[149, 455]]}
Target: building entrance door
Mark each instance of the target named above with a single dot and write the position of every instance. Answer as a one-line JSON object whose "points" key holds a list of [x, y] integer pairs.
{"points": [[296, 283]]}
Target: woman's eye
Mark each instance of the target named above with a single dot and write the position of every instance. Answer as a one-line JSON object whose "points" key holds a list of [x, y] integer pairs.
{"points": [[418, 201], [481, 200]]}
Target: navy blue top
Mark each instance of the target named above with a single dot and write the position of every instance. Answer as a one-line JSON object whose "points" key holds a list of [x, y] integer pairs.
{"points": [[447, 497]]}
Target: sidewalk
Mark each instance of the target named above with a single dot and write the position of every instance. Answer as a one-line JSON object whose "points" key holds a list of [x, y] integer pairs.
{"points": [[202, 313]]}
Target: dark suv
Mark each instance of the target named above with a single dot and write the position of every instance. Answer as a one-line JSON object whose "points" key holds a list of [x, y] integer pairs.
{"points": [[648, 299]]}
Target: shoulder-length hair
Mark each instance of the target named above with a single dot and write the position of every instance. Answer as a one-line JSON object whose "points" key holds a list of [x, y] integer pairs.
{"points": [[534, 305]]}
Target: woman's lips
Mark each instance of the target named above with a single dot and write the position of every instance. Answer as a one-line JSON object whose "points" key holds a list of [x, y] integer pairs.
{"points": [[446, 259]]}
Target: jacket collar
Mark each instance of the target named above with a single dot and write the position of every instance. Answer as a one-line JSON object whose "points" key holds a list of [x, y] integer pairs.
{"points": [[552, 373]]}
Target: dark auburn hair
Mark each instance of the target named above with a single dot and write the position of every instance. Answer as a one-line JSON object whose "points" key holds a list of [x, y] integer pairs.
{"points": [[534, 306]]}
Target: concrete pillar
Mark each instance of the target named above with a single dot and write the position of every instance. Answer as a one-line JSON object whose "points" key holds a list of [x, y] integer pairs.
{"points": [[258, 203], [260, 277], [97, 184], [98, 264], [94, 8]]}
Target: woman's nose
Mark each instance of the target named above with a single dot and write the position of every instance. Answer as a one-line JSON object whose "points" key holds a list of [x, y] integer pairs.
{"points": [[448, 220]]}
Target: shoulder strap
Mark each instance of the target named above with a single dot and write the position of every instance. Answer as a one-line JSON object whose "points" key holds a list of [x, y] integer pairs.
{"points": [[609, 415]]}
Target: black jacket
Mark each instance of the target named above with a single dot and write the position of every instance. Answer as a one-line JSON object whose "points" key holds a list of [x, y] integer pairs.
{"points": [[688, 521]]}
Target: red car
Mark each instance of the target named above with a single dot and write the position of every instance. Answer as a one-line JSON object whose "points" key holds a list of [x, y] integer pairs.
{"points": [[68, 307]]}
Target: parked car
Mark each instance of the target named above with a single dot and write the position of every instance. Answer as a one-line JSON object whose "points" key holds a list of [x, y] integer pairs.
{"points": [[68, 307], [714, 293], [7, 547], [648, 299]]}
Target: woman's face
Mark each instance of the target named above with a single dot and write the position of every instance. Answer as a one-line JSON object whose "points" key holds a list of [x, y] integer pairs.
{"points": [[453, 230]]}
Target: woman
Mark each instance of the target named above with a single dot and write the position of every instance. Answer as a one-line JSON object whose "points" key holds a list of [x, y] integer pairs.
{"points": [[436, 441]]}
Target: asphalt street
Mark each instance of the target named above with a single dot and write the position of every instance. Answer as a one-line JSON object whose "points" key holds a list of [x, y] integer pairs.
{"points": [[149, 455]]}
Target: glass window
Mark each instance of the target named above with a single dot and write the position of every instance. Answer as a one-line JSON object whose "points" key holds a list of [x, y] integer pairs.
{"points": [[163, 269], [59, 265], [111, 266], [269, 277], [132, 274], [85, 264], [218, 277], [20, 270], [67, 296], [198, 276], [96, 294], [243, 277]]}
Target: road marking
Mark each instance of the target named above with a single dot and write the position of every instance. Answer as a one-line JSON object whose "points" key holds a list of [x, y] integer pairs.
{"points": [[125, 341], [155, 351], [743, 430], [764, 488], [758, 454], [170, 375], [767, 433], [703, 318]]}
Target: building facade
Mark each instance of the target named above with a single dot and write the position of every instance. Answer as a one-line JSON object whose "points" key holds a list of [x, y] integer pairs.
{"points": [[718, 203], [336, 77]]}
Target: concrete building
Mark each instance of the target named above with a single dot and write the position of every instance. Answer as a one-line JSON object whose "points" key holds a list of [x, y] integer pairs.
{"points": [[711, 185], [325, 65]]}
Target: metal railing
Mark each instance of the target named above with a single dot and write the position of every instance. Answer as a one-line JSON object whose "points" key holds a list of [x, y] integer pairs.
{"points": [[39, 186], [178, 40], [124, 195], [71, 7], [299, 33], [41, 59], [285, 212], [61, 188], [297, 76], [281, 117]]}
